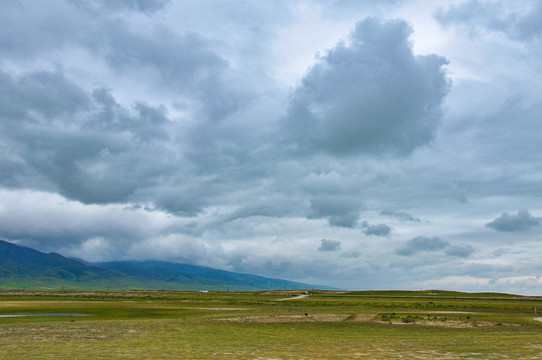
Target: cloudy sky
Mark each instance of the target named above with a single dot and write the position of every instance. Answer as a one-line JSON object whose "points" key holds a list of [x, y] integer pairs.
{"points": [[358, 144]]}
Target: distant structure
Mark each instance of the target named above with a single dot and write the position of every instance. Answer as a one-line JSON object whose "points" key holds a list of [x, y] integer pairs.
{"points": [[203, 291]]}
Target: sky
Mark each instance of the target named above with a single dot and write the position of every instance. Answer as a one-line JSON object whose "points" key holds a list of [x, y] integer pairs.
{"points": [[355, 144]]}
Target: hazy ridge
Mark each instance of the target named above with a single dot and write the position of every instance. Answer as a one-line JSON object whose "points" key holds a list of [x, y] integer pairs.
{"points": [[25, 267]]}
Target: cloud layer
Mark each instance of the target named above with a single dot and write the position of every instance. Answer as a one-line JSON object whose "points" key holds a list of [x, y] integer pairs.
{"points": [[245, 136]]}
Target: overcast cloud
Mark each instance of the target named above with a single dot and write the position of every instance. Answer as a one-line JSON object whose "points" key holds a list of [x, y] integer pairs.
{"points": [[245, 135]]}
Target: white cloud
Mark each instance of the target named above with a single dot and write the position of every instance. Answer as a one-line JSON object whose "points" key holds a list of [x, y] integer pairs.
{"points": [[460, 283], [520, 281]]}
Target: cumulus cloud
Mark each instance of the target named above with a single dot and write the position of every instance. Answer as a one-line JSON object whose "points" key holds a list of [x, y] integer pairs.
{"points": [[462, 251], [522, 221], [399, 215], [329, 245], [184, 63], [517, 23], [342, 211], [85, 146], [40, 96], [377, 230], [435, 244], [422, 244], [370, 95]]}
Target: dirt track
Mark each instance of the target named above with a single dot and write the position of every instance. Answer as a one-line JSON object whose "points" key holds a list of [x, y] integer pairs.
{"points": [[293, 298]]}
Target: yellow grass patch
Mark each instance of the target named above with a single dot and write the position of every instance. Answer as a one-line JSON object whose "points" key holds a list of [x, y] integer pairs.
{"points": [[288, 318]]}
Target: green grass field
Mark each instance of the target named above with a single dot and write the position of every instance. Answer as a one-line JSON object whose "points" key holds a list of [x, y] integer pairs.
{"points": [[262, 325]]}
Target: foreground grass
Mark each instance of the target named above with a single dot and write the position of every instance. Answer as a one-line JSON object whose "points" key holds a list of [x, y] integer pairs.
{"points": [[158, 325]]}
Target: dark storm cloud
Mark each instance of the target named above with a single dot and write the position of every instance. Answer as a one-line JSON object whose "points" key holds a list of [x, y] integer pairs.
{"points": [[181, 60], [520, 222], [147, 123], [399, 215], [496, 16], [183, 63], [86, 146], [40, 96], [163, 58], [372, 95], [184, 197], [329, 245], [58, 136], [341, 211], [422, 244], [377, 230]]}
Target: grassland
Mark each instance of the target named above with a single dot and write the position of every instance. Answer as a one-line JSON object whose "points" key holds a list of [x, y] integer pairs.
{"points": [[255, 325]]}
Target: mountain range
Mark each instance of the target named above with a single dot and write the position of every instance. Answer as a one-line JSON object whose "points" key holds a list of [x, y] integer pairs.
{"points": [[25, 267]]}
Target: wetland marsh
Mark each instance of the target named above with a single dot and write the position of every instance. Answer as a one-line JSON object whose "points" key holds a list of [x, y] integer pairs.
{"points": [[253, 325]]}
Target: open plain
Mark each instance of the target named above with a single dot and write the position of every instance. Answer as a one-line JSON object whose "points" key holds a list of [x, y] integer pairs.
{"points": [[254, 325]]}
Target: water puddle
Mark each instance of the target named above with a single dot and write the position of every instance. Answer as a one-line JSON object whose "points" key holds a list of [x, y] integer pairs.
{"points": [[52, 314]]}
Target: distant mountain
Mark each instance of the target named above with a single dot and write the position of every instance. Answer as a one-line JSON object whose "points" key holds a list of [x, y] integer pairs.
{"points": [[197, 275], [22, 266], [22, 262]]}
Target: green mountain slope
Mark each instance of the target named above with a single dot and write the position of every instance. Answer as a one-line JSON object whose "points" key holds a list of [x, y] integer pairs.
{"points": [[197, 275], [25, 267], [23, 262]]}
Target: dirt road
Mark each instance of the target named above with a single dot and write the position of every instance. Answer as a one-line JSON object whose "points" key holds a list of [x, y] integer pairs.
{"points": [[293, 298]]}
